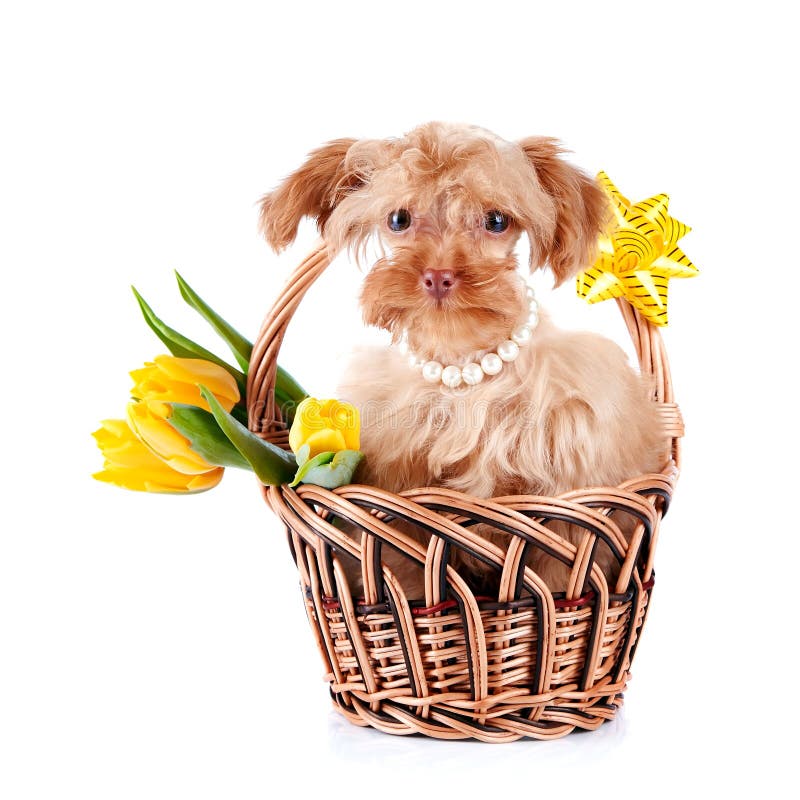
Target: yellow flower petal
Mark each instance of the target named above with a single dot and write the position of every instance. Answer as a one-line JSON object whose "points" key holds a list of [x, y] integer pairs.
{"points": [[324, 441], [192, 483], [325, 425], [208, 480], [349, 423], [148, 419], [196, 370], [306, 421], [131, 465], [175, 380]]}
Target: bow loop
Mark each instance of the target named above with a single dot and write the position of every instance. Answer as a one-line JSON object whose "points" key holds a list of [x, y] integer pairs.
{"points": [[638, 255]]}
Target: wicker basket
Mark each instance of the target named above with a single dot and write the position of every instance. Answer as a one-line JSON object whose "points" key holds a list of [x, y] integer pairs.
{"points": [[524, 663]]}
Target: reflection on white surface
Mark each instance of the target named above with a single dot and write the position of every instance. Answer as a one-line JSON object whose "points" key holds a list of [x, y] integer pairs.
{"points": [[351, 743]]}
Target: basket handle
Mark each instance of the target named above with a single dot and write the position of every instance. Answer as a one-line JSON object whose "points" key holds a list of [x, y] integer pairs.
{"points": [[654, 364], [264, 416]]}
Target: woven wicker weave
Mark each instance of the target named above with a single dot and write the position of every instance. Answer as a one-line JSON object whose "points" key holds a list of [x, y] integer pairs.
{"points": [[452, 665]]}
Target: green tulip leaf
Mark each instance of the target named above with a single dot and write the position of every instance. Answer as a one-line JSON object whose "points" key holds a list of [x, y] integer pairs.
{"points": [[288, 392], [303, 452], [239, 413], [287, 405], [205, 435], [305, 463], [272, 465], [182, 347], [239, 346], [287, 386], [329, 470]]}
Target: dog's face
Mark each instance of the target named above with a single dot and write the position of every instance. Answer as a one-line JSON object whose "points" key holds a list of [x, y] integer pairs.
{"points": [[448, 204]]}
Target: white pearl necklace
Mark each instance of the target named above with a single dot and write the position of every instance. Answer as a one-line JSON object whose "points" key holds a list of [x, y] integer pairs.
{"points": [[492, 363]]}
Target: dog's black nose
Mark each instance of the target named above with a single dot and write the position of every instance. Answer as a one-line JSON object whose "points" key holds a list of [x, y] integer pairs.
{"points": [[438, 282]]}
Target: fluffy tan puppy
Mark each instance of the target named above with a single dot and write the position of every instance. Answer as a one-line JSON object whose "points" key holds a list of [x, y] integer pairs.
{"points": [[448, 204]]}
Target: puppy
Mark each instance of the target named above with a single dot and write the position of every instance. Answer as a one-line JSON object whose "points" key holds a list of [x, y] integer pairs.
{"points": [[448, 203]]}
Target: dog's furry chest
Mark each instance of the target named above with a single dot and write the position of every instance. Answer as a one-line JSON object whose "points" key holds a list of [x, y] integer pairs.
{"points": [[418, 435], [568, 413], [442, 429]]}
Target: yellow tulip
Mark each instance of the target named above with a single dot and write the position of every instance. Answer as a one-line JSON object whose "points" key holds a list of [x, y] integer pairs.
{"points": [[325, 425], [149, 421], [131, 465], [175, 380]]}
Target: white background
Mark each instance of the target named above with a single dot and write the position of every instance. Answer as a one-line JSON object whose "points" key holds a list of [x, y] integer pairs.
{"points": [[156, 646]]}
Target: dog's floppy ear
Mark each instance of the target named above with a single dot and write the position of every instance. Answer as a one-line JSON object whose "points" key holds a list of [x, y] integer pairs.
{"points": [[581, 207], [311, 191]]}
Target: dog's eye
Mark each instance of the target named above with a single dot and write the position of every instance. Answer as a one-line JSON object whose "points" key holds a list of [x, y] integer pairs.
{"points": [[495, 221], [399, 220]]}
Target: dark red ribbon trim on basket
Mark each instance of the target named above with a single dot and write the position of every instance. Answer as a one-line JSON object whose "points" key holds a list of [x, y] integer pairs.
{"points": [[445, 605], [486, 603], [576, 603]]}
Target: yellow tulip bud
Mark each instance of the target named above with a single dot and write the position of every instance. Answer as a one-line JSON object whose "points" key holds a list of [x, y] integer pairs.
{"points": [[149, 421], [175, 380], [325, 425], [131, 465]]}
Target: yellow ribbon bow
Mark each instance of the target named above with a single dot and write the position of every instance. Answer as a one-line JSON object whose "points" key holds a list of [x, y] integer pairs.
{"points": [[638, 255]]}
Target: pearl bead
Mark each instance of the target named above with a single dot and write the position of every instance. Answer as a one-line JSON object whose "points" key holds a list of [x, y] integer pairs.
{"points": [[451, 376], [522, 335], [432, 371], [508, 350], [491, 364], [472, 374]]}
